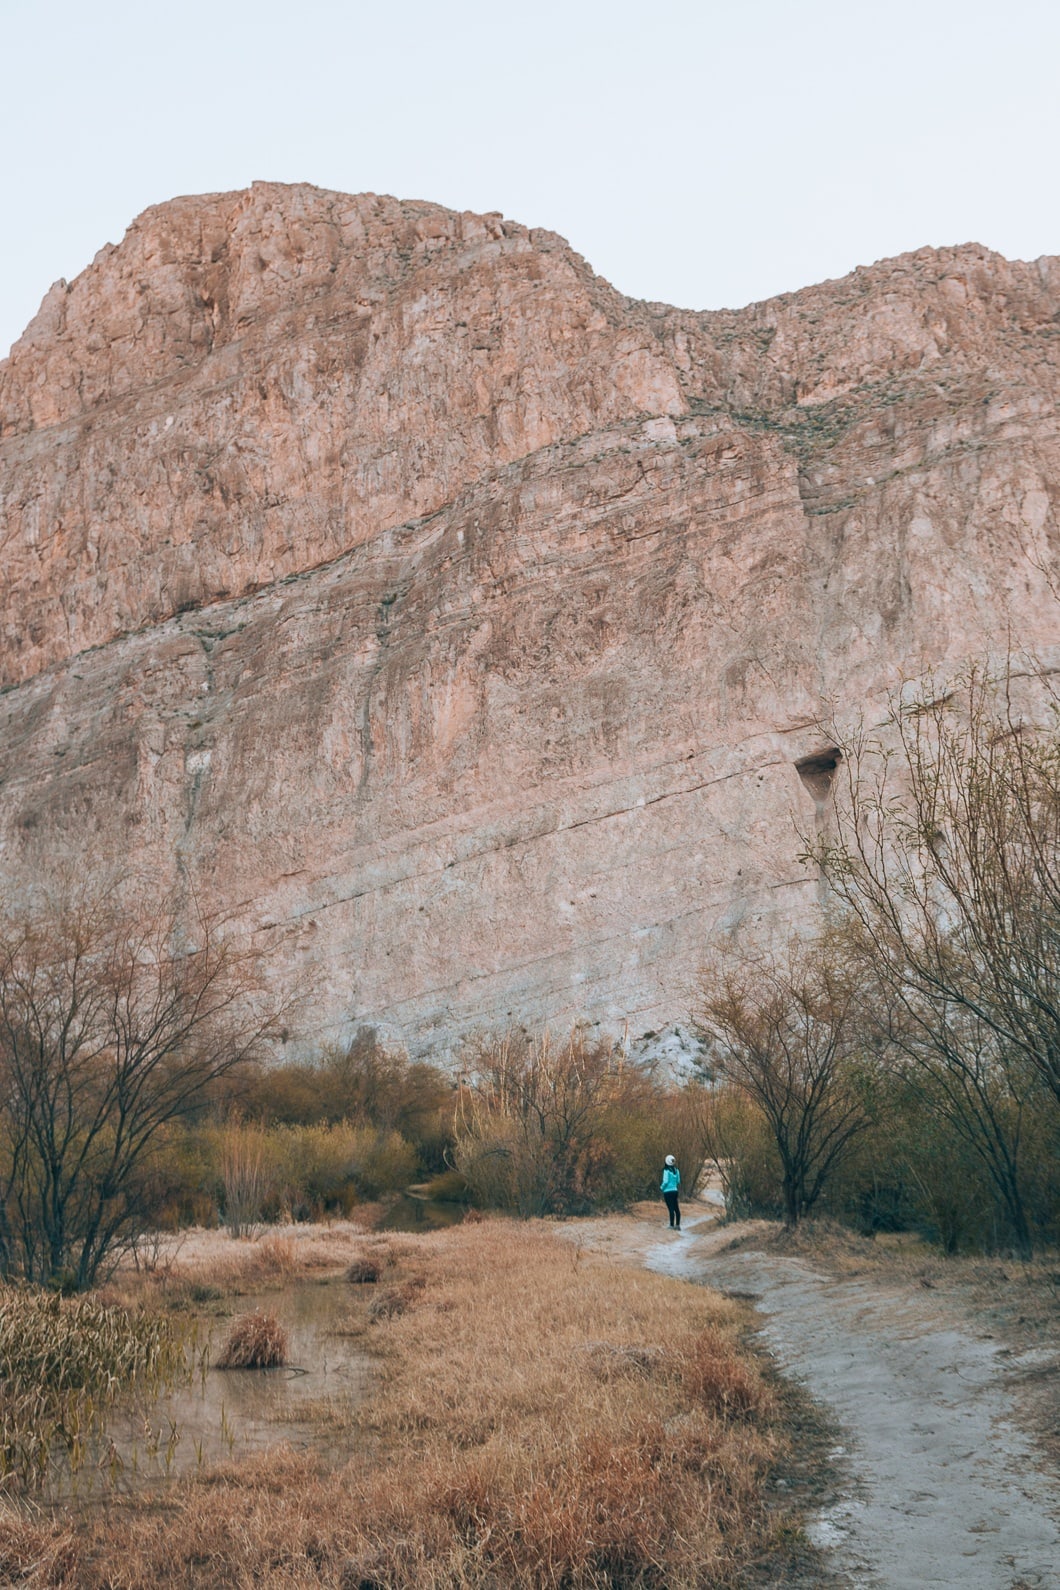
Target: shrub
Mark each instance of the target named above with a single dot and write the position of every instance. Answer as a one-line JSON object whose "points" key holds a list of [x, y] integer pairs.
{"points": [[312, 1170], [117, 1018], [286, 1172], [181, 1185], [920, 1167], [555, 1127], [244, 1175], [363, 1271], [395, 1300], [745, 1153], [364, 1084], [683, 1117], [380, 1160], [448, 1187]]}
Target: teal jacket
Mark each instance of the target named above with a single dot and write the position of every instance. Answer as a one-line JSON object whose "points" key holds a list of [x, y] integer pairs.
{"points": [[671, 1179]]}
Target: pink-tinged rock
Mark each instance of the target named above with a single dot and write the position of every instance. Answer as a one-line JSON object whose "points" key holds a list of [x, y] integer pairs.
{"points": [[459, 622]]}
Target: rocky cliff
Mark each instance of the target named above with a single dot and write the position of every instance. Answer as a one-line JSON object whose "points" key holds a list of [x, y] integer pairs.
{"points": [[464, 625]]}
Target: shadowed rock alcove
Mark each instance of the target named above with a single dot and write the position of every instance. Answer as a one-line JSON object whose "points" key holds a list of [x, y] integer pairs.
{"points": [[818, 772]]}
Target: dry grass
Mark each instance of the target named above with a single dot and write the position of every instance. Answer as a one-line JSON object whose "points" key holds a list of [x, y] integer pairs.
{"points": [[63, 1365], [254, 1341], [393, 1301], [541, 1419], [200, 1264]]}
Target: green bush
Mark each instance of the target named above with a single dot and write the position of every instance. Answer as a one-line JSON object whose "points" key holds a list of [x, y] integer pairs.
{"points": [[269, 1173], [180, 1184], [364, 1084], [912, 1170], [380, 1161], [311, 1169]]}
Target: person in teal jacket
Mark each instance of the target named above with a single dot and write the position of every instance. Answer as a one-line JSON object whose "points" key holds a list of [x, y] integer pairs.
{"points": [[671, 1181]]}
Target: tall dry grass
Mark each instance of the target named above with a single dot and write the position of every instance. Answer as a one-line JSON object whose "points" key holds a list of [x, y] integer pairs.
{"points": [[540, 1419], [64, 1363], [244, 1175]]}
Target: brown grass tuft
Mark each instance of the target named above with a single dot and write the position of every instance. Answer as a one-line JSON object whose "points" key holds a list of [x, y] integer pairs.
{"points": [[34, 1550], [363, 1271], [715, 1377], [255, 1341], [395, 1300]]}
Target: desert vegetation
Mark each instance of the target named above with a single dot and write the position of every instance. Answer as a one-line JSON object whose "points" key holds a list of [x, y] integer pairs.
{"points": [[116, 1021], [562, 1126], [254, 1341], [533, 1124], [539, 1417], [785, 1036]]}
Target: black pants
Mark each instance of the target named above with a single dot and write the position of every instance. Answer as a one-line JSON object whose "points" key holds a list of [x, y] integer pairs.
{"points": [[674, 1208]]}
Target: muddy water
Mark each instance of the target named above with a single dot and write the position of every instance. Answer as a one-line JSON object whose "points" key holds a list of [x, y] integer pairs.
{"points": [[409, 1213], [226, 1414], [221, 1416]]}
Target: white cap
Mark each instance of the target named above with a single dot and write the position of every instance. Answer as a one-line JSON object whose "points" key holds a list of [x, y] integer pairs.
{"points": [[670, 1160]]}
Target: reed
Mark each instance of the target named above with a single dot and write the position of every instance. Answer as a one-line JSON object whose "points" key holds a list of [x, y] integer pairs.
{"points": [[66, 1363]]}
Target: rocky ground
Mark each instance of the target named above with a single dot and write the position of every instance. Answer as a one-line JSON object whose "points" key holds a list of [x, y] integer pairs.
{"points": [[940, 1382]]}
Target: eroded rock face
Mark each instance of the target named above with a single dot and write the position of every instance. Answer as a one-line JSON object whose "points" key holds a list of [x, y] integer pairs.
{"points": [[461, 623]]}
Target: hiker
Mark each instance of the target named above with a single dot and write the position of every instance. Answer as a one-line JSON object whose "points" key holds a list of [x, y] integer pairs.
{"points": [[671, 1180]]}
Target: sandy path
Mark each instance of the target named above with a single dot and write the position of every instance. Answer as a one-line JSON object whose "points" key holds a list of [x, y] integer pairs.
{"points": [[942, 1487]]}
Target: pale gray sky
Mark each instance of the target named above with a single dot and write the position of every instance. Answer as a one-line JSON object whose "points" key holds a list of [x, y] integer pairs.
{"points": [[705, 154]]}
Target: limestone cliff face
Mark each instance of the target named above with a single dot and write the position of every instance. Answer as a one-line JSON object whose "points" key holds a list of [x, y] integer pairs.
{"points": [[253, 383], [461, 623]]}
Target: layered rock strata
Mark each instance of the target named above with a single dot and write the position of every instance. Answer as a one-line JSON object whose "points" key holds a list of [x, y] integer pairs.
{"points": [[463, 625]]}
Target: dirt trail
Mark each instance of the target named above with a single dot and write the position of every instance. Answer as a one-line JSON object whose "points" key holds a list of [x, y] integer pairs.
{"points": [[941, 1487]]}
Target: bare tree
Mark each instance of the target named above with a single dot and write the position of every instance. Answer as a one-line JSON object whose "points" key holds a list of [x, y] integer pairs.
{"points": [[946, 857], [784, 1032], [114, 1020], [959, 1071], [947, 854], [531, 1122]]}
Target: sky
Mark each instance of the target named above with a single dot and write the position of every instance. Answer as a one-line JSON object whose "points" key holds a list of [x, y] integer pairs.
{"points": [[707, 155]]}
